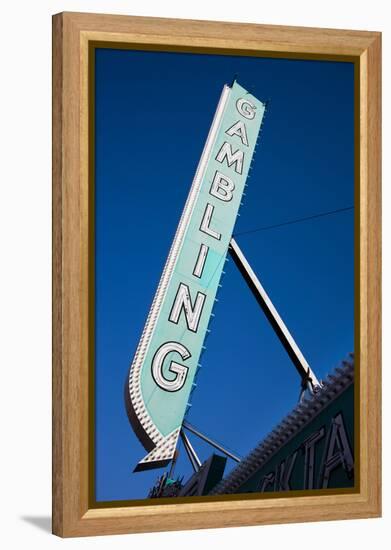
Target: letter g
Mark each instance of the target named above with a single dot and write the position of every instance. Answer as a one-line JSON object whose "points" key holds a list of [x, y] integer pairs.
{"points": [[179, 370]]}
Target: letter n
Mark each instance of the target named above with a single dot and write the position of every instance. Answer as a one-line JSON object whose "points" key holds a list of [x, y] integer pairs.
{"points": [[183, 301]]}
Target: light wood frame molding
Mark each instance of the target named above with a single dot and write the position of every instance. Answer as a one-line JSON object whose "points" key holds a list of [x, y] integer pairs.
{"points": [[72, 34]]}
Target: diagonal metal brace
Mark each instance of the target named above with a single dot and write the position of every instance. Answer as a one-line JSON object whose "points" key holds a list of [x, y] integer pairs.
{"points": [[192, 455], [306, 373], [211, 441]]}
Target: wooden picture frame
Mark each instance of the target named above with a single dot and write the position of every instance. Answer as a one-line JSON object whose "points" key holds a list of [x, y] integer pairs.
{"points": [[73, 36]]}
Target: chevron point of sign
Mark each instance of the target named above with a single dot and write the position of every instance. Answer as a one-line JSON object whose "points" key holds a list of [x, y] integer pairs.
{"points": [[164, 366]]}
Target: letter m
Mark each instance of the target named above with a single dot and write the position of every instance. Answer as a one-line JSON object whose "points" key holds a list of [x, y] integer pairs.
{"points": [[232, 158]]}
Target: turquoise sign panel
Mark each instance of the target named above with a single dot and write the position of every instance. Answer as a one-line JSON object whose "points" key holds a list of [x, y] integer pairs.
{"points": [[162, 373]]}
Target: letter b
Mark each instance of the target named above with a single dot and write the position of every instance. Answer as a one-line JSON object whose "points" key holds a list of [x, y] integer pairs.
{"points": [[222, 187]]}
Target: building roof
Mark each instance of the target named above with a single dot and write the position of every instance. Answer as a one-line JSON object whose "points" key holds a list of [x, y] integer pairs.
{"points": [[335, 384]]}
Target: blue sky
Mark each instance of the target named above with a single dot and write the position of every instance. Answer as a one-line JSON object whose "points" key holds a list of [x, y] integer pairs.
{"points": [[153, 112]]}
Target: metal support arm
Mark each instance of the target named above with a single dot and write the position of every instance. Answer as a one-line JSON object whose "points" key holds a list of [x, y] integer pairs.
{"points": [[306, 373], [194, 460], [211, 442]]}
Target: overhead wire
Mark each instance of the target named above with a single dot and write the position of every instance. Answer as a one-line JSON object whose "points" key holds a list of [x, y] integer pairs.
{"points": [[297, 220]]}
